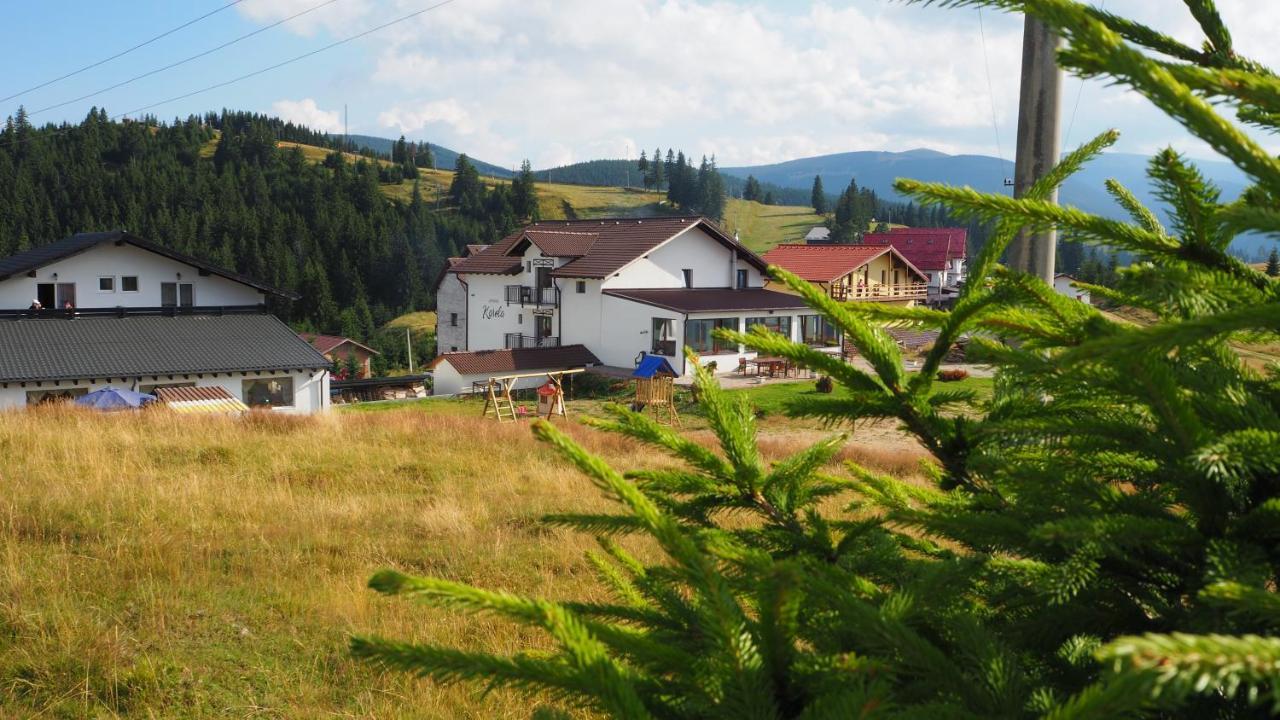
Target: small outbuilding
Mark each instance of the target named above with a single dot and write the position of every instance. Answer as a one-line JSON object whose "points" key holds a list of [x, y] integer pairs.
{"points": [[467, 372], [655, 386]]}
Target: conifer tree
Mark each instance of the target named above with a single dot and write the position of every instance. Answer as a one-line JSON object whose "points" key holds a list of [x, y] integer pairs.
{"points": [[818, 196], [643, 167], [1096, 540], [1273, 264]]}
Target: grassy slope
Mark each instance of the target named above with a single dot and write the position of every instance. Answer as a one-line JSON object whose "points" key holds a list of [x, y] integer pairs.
{"points": [[760, 226], [419, 323], [158, 566]]}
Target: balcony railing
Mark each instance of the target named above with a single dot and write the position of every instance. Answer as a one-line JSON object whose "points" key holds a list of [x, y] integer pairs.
{"points": [[516, 341], [526, 295], [898, 291]]}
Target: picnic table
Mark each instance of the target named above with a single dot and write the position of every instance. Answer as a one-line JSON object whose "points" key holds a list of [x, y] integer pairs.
{"points": [[771, 365]]}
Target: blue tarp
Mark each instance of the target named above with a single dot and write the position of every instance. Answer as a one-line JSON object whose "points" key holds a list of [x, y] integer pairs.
{"points": [[113, 398], [651, 365]]}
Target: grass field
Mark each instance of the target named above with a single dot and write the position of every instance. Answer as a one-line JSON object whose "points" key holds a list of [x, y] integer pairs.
{"points": [[421, 323], [181, 567]]}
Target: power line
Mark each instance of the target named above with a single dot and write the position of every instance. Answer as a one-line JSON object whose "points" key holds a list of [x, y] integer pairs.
{"points": [[291, 60], [991, 93], [1079, 91], [123, 52], [184, 61], [246, 76]]}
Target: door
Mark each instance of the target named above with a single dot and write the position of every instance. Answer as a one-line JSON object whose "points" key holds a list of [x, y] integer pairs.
{"points": [[45, 295], [541, 328], [66, 295]]}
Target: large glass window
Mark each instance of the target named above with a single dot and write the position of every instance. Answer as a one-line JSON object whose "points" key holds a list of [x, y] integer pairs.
{"points": [[268, 392], [664, 337], [817, 331], [698, 336], [780, 324]]}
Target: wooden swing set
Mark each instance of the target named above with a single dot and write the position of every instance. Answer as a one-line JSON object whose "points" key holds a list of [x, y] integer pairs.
{"points": [[498, 391]]}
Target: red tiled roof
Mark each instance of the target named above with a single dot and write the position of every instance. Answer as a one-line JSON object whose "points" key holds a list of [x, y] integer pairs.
{"points": [[617, 243], [926, 248], [327, 343], [514, 361], [473, 249], [823, 263], [695, 300]]}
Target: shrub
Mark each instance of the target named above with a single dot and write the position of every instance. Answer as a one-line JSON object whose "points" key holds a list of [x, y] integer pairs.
{"points": [[1100, 540], [953, 375], [825, 384]]}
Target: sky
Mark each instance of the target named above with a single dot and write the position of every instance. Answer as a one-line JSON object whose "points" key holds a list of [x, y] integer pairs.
{"points": [[560, 81]]}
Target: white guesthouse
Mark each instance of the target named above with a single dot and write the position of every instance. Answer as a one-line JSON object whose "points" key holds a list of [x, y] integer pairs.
{"points": [[616, 287], [111, 308]]}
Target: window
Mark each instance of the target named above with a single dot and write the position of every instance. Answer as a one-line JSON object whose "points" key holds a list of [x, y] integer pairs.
{"points": [[780, 324], [742, 279], [57, 395], [106, 284], [453, 348], [688, 277], [128, 283], [177, 294], [815, 330], [664, 342], [268, 392], [453, 319], [528, 266], [582, 286], [698, 336]]}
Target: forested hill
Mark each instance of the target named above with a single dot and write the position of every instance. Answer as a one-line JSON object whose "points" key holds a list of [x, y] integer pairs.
{"points": [[444, 157], [218, 187], [626, 173]]}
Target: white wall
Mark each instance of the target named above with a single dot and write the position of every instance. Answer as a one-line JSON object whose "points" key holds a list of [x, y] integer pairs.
{"points": [[310, 389], [712, 263], [451, 297], [1064, 287], [116, 261], [582, 319]]}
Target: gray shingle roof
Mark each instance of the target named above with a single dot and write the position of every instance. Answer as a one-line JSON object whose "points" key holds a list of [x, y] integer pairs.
{"points": [[144, 345], [38, 257]]}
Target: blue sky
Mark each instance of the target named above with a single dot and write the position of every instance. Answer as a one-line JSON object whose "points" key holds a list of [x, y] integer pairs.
{"points": [[558, 81]]}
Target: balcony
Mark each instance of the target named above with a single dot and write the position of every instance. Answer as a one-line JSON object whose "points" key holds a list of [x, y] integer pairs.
{"points": [[535, 296], [516, 341], [876, 292]]}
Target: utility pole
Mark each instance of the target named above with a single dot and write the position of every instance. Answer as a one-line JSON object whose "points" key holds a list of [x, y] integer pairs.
{"points": [[1039, 138], [408, 343]]}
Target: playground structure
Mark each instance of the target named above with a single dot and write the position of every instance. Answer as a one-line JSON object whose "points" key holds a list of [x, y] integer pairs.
{"points": [[498, 391], [655, 387]]}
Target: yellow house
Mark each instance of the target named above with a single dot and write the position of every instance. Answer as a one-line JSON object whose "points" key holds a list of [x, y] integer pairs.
{"points": [[853, 272]]}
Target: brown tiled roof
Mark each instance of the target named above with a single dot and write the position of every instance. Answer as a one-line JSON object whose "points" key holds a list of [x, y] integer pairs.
{"points": [[327, 343], [617, 242], [826, 263], [697, 300], [514, 361], [559, 243], [473, 249]]}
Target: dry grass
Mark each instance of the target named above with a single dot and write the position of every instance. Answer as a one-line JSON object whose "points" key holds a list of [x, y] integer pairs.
{"points": [[161, 566]]}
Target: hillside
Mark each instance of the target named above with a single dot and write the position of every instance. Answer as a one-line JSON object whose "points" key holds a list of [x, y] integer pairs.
{"points": [[444, 157]]}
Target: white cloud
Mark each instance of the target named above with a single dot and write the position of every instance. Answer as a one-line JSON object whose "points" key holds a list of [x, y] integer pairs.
{"points": [[751, 81], [306, 112]]}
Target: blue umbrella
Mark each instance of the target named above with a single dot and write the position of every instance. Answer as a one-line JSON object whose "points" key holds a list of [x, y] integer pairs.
{"points": [[113, 398]]}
